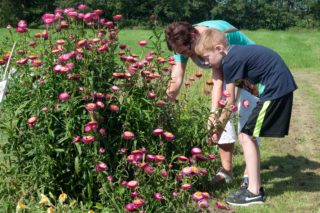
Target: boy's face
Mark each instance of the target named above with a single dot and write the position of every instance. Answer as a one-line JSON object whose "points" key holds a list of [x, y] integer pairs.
{"points": [[214, 57]]}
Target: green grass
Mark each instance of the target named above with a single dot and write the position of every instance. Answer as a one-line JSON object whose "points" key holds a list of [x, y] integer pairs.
{"points": [[300, 49], [290, 167]]}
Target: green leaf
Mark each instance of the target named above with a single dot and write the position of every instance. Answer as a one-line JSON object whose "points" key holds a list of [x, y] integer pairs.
{"points": [[77, 164], [21, 107]]}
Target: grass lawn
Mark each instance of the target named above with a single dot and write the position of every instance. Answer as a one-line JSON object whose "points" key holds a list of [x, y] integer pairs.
{"points": [[291, 166]]}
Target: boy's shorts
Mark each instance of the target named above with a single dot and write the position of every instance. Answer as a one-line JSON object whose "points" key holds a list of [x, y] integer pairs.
{"points": [[229, 134], [270, 118]]}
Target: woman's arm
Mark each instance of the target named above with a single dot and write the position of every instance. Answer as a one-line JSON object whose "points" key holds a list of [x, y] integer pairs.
{"points": [[176, 80]]}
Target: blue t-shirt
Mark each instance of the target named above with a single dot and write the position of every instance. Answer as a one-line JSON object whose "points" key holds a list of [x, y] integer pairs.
{"points": [[259, 65], [234, 37]]}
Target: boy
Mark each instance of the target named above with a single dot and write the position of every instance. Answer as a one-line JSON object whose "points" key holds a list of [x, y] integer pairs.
{"points": [[271, 116]]}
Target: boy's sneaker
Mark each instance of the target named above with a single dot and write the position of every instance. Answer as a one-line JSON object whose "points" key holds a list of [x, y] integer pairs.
{"points": [[221, 177], [243, 197], [239, 191]]}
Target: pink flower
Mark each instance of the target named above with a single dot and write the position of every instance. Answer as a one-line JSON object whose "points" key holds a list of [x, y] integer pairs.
{"points": [[82, 7], [132, 184], [147, 168], [22, 24], [245, 103], [124, 183], [122, 46], [200, 157], [22, 61], [164, 173], [114, 108], [117, 17], [115, 88], [48, 19], [32, 43], [183, 158], [88, 139], [212, 157], [157, 131], [130, 207], [87, 129], [187, 171], [64, 96], [196, 151], [151, 157], [159, 158], [101, 167], [203, 204], [168, 136], [102, 150], [109, 24], [186, 186], [152, 95], [138, 202], [234, 108], [98, 12], [222, 103], [36, 63], [226, 94], [81, 43], [134, 194], [32, 121], [60, 41], [143, 43], [206, 195], [76, 139], [110, 178], [197, 196], [195, 170], [100, 104], [127, 135], [99, 95], [175, 193], [160, 102], [158, 196], [90, 106], [102, 132]]}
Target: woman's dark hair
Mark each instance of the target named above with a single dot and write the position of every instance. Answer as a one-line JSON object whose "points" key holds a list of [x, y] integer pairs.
{"points": [[179, 34]]}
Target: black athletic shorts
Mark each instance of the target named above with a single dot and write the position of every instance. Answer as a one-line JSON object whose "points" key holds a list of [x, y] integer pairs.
{"points": [[270, 118]]}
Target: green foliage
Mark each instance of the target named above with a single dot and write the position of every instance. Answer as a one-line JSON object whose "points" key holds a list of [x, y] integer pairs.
{"points": [[249, 14], [108, 91]]}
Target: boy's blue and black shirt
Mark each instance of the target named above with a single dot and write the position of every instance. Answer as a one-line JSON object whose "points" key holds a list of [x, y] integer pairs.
{"points": [[259, 65]]}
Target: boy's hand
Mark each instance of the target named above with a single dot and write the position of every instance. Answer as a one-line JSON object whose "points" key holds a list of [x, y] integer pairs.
{"points": [[213, 139], [214, 135]]}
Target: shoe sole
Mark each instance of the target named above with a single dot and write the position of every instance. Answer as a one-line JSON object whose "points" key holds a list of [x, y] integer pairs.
{"points": [[245, 204]]}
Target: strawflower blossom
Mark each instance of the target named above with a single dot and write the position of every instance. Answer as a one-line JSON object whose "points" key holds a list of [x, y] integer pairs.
{"points": [[101, 167], [63, 197]]}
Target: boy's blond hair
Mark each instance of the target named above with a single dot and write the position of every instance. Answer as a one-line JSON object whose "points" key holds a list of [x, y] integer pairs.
{"points": [[209, 39]]}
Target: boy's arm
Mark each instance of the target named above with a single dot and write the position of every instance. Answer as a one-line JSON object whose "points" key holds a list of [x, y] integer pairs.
{"points": [[176, 80], [215, 135], [216, 93]]}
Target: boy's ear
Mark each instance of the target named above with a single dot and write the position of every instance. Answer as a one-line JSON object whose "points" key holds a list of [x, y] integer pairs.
{"points": [[219, 48]]}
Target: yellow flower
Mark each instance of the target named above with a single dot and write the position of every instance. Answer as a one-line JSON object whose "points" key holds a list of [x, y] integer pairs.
{"points": [[20, 205], [45, 200], [91, 211], [62, 197], [50, 210]]}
